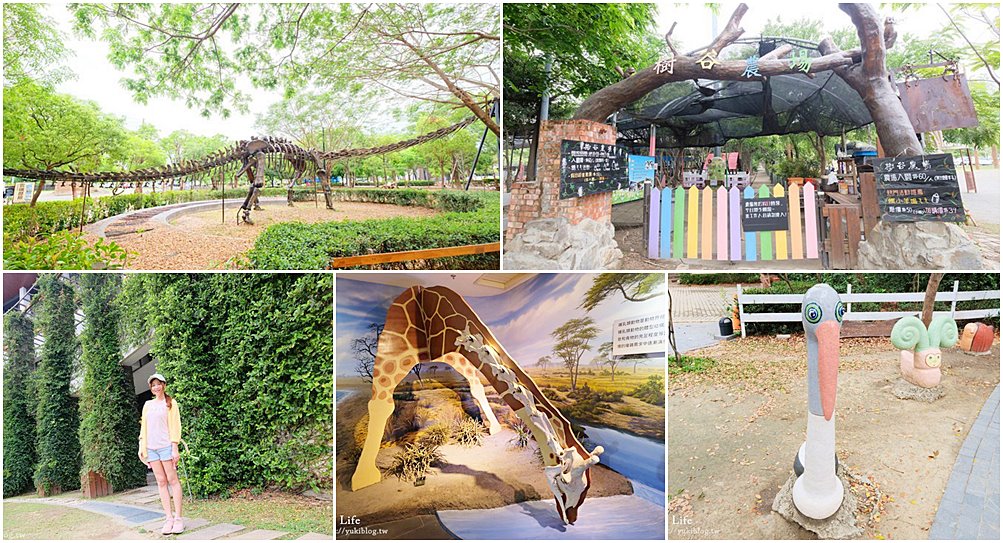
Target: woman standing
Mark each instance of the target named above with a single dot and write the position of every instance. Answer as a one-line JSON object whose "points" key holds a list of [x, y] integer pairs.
{"points": [[159, 435]]}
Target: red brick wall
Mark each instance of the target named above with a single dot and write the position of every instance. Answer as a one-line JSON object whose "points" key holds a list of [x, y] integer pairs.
{"points": [[539, 199]]}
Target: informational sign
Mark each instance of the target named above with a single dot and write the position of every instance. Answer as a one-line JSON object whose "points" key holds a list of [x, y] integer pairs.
{"points": [[919, 188], [641, 169], [938, 103], [764, 214], [23, 192], [591, 168], [644, 334]]}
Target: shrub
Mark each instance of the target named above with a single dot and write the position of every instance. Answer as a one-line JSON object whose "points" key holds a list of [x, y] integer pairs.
{"points": [[468, 432], [651, 391], [21, 221], [414, 461], [629, 411], [468, 219], [64, 250], [58, 447], [18, 405], [718, 278], [523, 435], [435, 435]]}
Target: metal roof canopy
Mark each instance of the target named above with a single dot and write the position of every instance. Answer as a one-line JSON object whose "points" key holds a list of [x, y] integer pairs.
{"points": [[707, 113]]}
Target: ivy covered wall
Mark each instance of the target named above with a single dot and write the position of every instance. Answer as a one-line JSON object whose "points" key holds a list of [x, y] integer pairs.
{"points": [[249, 358], [109, 425], [58, 448], [18, 405]]}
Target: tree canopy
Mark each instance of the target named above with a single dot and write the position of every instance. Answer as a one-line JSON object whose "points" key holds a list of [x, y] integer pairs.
{"points": [[585, 44], [32, 47], [201, 53]]}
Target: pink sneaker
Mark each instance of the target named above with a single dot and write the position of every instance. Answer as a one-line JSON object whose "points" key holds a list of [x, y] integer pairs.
{"points": [[179, 526], [168, 526]]}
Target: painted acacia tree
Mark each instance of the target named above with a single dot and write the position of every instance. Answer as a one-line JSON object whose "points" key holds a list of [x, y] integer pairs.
{"points": [[109, 426], [58, 446], [18, 405], [572, 342]]}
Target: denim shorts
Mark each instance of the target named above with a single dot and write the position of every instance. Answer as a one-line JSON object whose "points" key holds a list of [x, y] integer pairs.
{"points": [[163, 455]]}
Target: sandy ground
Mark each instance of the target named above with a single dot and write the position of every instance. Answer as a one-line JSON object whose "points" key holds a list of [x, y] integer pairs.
{"points": [[41, 521], [734, 430], [494, 474], [202, 241]]}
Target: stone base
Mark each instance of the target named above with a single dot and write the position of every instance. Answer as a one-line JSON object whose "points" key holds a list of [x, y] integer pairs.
{"points": [[918, 246], [904, 390], [556, 244], [973, 353], [842, 524]]}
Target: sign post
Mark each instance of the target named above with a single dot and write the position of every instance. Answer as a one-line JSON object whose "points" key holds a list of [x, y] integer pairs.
{"points": [[591, 168], [919, 188]]}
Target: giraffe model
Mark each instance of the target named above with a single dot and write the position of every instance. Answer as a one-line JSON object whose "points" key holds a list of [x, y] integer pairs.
{"points": [[436, 324]]}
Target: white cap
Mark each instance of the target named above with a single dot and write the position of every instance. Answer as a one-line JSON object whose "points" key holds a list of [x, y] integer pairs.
{"points": [[156, 376]]}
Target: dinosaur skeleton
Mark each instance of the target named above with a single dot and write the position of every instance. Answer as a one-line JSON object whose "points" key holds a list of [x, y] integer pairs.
{"points": [[246, 157]]}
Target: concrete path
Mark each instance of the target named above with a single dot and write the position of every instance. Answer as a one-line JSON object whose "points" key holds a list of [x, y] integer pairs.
{"points": [[984, 204], [614, 517], [695, 313], [970, 506]]}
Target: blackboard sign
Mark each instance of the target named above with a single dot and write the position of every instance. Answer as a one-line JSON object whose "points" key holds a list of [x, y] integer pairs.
{"points": [[764, 214], [591, 168], [919, 188]]}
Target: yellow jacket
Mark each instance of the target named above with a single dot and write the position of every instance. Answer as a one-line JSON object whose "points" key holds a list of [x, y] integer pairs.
{"points": [[173, 426]]}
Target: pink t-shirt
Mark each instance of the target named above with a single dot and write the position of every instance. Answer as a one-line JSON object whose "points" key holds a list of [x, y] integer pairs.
{"points": [[157, 434]]}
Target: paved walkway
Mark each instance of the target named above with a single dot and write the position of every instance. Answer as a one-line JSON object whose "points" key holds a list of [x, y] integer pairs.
{"points": [[970, 507], [700, 303], [140, 509]]}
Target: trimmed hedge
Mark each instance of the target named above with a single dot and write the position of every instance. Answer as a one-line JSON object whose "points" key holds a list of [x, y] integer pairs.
{"points": [[717, 278], [21, 221], [58, 467], [470, 218], [18, 405], [249, 358], [109, 425]]}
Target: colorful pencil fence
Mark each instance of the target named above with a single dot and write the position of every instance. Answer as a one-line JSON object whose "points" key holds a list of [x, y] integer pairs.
{"points": [[707, 224]]}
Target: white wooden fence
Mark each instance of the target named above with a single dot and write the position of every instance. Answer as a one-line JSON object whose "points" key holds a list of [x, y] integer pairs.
{"points": [[849, 298]]}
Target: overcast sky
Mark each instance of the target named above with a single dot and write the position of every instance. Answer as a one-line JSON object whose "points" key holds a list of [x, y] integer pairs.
{"points": [[522, 318]]}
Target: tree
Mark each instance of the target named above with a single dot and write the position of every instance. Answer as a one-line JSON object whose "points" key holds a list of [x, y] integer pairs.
{"points": [[584, 45], [634, 287], [109, 425], [364, 348], [443, 53], [58, 446], [319, 120], [32, 47], [607, 358], [868, 75], [543, 362], [18, 405], [932, 284], [572, 342], [47, 131]]}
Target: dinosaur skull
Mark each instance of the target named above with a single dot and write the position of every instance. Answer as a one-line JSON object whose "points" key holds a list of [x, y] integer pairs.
{"points": [[569, 481]]}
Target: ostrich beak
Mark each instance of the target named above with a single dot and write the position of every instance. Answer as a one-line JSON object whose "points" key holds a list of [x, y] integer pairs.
{"points": [[828, 365]]}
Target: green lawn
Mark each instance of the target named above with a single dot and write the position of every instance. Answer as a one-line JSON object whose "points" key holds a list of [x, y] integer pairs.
{"points": [[44, 521], [268, 511]]}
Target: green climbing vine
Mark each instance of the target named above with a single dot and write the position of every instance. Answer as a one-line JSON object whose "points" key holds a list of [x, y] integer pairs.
{"points": [[58, 447], [249, 358], [18, 405], [109, 425]]}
